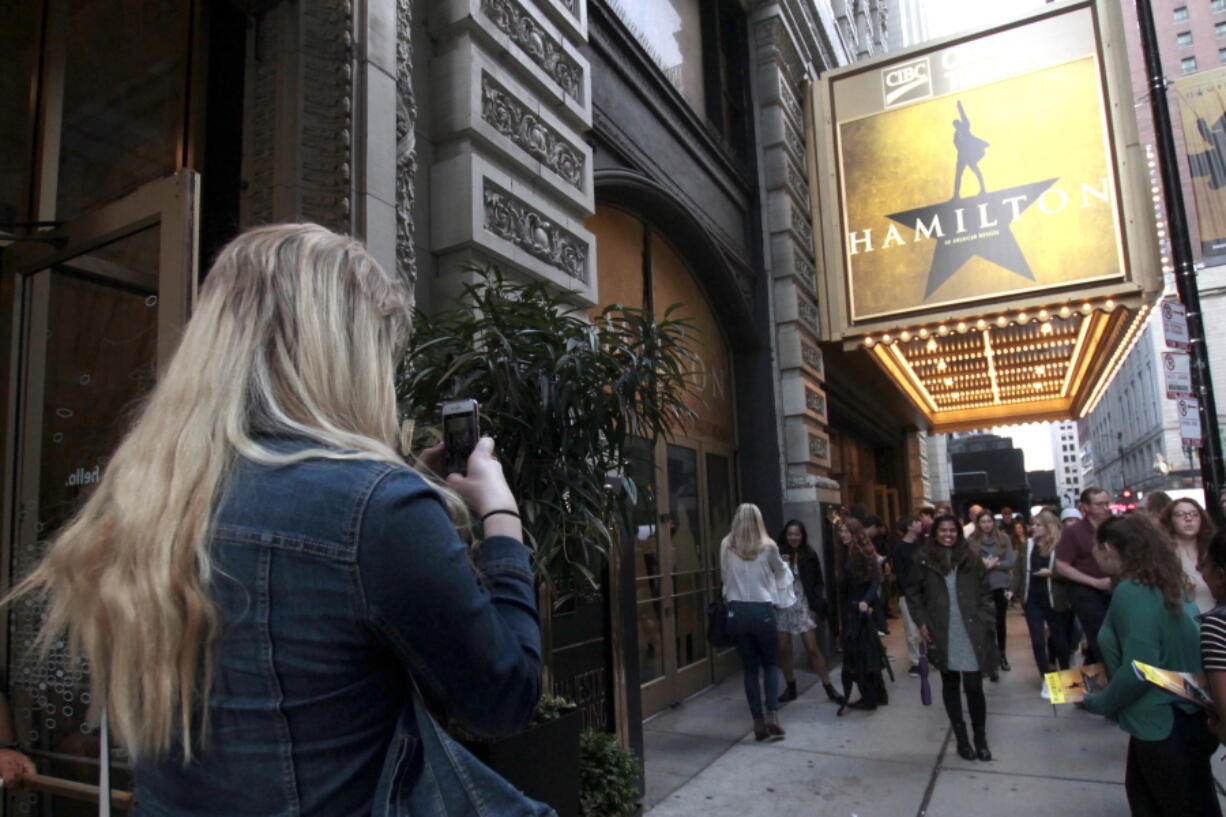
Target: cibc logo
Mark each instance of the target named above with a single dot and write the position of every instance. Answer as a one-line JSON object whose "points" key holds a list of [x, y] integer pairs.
{"points": [[906, 82]]}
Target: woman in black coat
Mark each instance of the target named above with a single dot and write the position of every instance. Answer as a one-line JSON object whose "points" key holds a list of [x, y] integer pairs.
{"points": [[863, 655], [803, 616], [950, 600]]}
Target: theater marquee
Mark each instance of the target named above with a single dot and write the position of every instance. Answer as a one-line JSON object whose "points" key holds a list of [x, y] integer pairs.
{"points": [[985, 217]]}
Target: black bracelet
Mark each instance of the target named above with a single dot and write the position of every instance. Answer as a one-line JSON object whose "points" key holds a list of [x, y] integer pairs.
{"points": [[500, 510]]}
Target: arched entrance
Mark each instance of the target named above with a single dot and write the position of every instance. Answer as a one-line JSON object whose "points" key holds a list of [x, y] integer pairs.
{"points": [[689, 488]]}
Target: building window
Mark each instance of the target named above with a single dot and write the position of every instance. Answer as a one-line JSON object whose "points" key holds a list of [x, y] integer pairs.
{"points": [[1184, 39], [1188, 64], [724, 37], [1219, 29], [671, 32], [1181, 13], [1217, 5]]}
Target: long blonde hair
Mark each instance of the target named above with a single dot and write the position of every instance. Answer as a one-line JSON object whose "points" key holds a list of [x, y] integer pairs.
{"points": [[296, 333], [748, 536], [1048, 521]]}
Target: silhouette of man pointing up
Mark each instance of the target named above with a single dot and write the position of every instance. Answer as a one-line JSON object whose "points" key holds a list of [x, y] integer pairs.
{"points": [[970, 150]]}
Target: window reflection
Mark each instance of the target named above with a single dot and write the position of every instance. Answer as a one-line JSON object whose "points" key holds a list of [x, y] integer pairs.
{"points": [[671, 32]]}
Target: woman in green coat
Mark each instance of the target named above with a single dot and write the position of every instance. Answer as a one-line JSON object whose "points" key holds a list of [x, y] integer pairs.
{"points": [[950, 600], [1152, 620]]}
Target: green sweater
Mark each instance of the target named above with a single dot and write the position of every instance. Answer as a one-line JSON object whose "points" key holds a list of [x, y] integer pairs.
{"points": [[1139, 627]]}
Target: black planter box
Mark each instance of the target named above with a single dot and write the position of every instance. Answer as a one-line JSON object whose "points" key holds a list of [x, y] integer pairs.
{"points": [[542, 761]]}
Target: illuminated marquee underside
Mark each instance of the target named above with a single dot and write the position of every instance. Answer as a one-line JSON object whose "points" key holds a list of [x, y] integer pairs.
{"points": [[1011, 367]]}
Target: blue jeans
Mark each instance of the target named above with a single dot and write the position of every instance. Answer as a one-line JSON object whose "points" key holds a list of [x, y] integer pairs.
{"points": [[753, 625], [1039, 613]]}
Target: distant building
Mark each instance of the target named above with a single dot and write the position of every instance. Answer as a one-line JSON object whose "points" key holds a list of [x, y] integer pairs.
{"points": [[1066, 461], [988, 471], [1043, 489]]}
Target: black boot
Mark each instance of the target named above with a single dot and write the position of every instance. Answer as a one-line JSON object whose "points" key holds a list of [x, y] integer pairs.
{"points": [[833, 694], [964, 743], [981, 744], [789, 694]]}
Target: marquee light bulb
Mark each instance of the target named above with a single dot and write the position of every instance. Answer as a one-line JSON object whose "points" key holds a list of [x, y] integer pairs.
{"points": [[932, 345], [961, 326]]}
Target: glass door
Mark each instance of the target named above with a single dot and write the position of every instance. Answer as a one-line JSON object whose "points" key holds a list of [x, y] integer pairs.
{"points": [[97, 306]]}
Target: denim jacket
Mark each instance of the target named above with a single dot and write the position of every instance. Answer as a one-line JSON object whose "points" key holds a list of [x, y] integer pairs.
{"points": [[335, 579]]}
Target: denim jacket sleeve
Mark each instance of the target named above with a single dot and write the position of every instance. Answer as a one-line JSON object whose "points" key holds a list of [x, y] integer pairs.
{"points": [[471, 636]]}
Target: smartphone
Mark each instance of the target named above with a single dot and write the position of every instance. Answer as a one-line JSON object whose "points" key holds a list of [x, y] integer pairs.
{"points": [[461, 430]]}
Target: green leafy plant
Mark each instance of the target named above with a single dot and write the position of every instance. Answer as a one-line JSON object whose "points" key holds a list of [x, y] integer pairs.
{"points": [[608, 776], [552, 707], [563, 395]]}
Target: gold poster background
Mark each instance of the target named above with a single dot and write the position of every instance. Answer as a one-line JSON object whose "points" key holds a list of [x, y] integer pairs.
{"points": [[1204, 96], [1047, 124]]}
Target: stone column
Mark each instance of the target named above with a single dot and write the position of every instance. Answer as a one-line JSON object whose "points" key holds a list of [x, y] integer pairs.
{"points": [[512, 179]]}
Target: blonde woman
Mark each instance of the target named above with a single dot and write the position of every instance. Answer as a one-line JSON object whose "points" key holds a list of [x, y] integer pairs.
{"points": [[756, 581], [1045, 598], [259, 573]]}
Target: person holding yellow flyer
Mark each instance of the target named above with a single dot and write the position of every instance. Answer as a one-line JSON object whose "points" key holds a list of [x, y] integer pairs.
{"points": [[1151, 620]]}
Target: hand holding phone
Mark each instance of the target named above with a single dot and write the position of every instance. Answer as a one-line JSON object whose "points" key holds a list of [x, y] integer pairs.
{"points": [[461, 430]]}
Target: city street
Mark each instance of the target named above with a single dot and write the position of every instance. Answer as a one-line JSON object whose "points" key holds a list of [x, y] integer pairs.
{"points": [[701, 758]]}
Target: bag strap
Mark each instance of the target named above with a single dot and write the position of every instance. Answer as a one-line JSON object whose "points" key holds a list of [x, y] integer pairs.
{"points": [[104, 767]]}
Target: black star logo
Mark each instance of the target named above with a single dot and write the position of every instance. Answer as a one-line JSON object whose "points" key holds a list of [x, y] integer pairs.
{"points": [[979, 226]]}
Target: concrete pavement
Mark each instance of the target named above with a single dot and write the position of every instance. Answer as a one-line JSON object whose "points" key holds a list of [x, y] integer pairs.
{"points": [[701, 758]]}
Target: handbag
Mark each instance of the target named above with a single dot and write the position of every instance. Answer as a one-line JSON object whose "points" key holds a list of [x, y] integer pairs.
{"points": [[451, 782], [718, 632]]}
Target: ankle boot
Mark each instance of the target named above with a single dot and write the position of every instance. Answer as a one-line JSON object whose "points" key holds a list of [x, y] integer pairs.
{"points": [[964, 743], [789, 694], [981, 744], [833, 695], [759, 729], [772, 726]]}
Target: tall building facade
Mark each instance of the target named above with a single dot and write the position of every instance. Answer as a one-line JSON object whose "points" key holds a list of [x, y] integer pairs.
{"points": [[645, 153], [1131, 439], [1066, 461]]}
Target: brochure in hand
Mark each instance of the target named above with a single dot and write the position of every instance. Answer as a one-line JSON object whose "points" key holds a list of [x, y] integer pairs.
{"points": [[1187, 685], [1069, 686]]}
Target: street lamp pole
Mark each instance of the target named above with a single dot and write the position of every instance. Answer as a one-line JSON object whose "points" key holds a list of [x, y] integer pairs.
{"points": [[1181, 255]]}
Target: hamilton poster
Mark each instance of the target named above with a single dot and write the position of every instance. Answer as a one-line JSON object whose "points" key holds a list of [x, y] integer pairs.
{"points": [[1202, 109], [979, 172]]}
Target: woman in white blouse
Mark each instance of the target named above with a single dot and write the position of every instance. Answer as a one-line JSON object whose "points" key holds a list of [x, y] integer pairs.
{"points": [[756, 581], [1191, 530]]}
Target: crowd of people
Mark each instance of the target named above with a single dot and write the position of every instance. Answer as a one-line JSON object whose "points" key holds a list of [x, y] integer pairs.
{"points": [[1094, 588]]}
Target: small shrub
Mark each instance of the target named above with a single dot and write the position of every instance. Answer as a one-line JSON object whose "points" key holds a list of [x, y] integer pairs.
{"points": [[608, 776], [552, 707]]}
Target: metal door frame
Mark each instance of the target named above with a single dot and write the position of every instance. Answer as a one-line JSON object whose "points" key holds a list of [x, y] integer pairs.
{"points": [[172, 205]]}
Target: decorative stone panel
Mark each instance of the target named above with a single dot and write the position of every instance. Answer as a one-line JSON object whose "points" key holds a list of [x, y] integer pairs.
{"points": [[544, 57], [569, 15], [811, 354], [476, 205], [815, 404], [406, 144], [808, 315], [819, 447], [785, 215], [478, 98]]}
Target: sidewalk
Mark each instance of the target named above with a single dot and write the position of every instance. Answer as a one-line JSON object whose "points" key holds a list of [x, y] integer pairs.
{"points": [[898, 761]]}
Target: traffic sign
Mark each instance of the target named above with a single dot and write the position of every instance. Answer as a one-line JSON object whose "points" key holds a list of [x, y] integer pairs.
{"points": [[1175, 325], [1189, 421], [1177, 369]]}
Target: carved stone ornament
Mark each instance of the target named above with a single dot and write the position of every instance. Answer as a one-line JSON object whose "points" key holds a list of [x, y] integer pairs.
{"points": [[512, 220], [790, 103], [799, 185], [512, 119], [794, 141], [325, 149], [514, 21], [800, 222], [812, 356], [815, 403], [406, 144], [804, 271], [819, 448], [808, 314]]}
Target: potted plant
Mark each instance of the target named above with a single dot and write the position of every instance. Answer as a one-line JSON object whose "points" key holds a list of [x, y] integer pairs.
{"points": [[550, 745], [608, 776], [563, 393]]}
